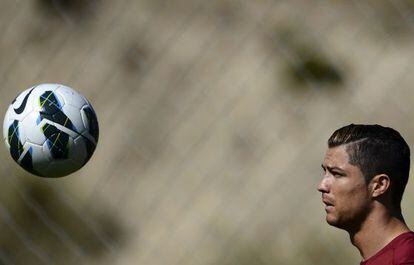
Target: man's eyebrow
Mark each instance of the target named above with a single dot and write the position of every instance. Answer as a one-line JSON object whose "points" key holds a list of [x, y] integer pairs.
{"points": [[331, 168]]}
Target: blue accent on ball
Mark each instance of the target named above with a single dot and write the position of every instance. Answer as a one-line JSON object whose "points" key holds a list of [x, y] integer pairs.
{"points": [[49, 144], [38, 120]]}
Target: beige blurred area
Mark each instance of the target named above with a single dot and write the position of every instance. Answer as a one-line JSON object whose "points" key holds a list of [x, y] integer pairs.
{"points": [[213, 118]]}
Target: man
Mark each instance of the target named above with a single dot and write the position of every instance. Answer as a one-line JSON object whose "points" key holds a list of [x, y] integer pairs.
{"points": [[366, 170]]}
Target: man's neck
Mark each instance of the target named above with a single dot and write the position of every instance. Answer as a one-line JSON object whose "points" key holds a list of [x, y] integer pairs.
{"points": [[376, 232]]}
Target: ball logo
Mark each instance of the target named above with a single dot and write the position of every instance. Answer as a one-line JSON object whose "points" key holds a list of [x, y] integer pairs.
{"points": [[22, 106]]}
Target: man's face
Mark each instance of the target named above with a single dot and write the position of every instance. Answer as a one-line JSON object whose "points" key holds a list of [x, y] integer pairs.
{"points": [[344, 190]]}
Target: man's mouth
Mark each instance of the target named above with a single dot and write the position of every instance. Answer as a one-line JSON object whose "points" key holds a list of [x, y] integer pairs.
{"points": [[328, 204]]}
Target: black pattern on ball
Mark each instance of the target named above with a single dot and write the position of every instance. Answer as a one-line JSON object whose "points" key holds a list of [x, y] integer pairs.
{"points": [[16, 147], [51, 110], [93, 122], [93, 131], [57, 141], [27, 163]]}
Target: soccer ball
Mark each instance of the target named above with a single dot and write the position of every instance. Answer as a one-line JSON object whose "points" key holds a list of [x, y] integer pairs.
{"points": [[51, 130]]}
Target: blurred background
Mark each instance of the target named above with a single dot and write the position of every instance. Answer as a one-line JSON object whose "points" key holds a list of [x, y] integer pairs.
{"points": [[214, 117]]}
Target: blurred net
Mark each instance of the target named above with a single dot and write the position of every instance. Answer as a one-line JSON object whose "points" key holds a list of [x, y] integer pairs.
{"points": [[214, 117]]}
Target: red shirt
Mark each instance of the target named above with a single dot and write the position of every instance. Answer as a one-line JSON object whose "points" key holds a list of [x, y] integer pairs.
{"points": [[400, 251]]}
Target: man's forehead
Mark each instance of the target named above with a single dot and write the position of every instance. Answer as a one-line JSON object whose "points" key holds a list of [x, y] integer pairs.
{"points": [[336, 156]]}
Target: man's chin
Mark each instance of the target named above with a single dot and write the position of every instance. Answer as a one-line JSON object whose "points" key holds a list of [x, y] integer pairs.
{"points": [[333, 221], [337, 223]]}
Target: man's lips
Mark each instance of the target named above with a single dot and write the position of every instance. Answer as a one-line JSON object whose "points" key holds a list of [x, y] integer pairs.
{"points": [[327, 202]]}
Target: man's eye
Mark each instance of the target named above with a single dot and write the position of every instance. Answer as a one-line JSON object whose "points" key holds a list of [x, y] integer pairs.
{"points": [[337, 174]]}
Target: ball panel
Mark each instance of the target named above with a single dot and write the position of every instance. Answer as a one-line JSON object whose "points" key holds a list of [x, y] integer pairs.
{"points": [[45, 155], [41, 97], [57, 141], [40, 157], [32, 126], [90, 121], [57, 168], [26, 160], [71, 97], [80, 154], [13, 138], [75, 119]]}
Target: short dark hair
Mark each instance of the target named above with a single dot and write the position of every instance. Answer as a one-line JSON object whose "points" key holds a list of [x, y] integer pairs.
{"points": [[376, 150]]}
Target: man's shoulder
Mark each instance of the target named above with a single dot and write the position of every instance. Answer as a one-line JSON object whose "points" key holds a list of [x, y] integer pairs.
{"points": [[404, 249], [400, 251]]}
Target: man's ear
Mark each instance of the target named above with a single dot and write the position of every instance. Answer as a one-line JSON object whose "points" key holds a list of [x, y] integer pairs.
{"points": [[379, 185]]}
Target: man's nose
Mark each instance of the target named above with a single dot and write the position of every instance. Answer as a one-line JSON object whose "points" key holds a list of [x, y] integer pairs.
{"points": [[324, 185]]}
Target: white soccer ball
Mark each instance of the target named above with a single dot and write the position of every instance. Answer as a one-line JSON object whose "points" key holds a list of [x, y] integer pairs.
{"points": [[51, 130]]}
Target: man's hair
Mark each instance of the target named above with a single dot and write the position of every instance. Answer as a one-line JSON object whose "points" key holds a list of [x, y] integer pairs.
{"points": [[376, 150]]}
